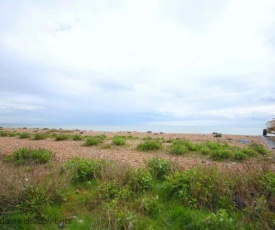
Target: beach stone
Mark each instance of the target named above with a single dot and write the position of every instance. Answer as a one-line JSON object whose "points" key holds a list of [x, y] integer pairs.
{"points": [[149, 131], [61, 225]]}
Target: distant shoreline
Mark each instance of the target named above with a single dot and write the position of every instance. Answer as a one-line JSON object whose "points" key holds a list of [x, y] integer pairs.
{"points": [[254, 131]]}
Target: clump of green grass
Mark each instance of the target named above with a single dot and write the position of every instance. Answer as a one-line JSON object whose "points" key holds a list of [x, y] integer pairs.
{"points": [[101, 136], [27, 155], [39, 136], [139, 180], [118, 140], [62, 137], [108, 195], [160, 168], [77, 137], [26, 190], [258, 148], [91, 141], [24, 135], [148, 138], [3, 133], [180, 147], [149, 145], [83, 169]]}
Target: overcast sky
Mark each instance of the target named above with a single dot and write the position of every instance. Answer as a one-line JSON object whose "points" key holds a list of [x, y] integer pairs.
{"points": [[172, 62]]}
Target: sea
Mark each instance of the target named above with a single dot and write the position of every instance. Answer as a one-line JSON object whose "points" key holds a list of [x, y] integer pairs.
{"points": [[253, 131]]}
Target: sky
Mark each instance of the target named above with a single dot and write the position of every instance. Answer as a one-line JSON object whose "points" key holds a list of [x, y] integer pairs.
{"points": [[154, 62]]}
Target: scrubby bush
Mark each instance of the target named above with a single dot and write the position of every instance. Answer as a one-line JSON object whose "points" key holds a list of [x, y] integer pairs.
{"points": [[28, 155], [24, 135], [90, 141], [204, 150], [77, 137], [249, 152], [39, 136], [149, 145], [219, 220], [178, 149], [221, 154], [62, 137], [83, 169], [160, 168], [117, 140], [3, 133], [198, 187], [138, 180], [260, 149]]}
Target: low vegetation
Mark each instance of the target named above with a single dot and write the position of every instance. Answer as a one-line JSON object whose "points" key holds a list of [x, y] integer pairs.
{"points": [[24, 135], [28, 155], [90, 141], [119, 140], [40, 136], [217, 150], [62, 137], [149, 145], [100, 194], [77, 137]]}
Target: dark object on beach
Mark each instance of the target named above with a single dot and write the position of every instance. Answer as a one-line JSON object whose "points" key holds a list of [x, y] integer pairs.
{"points": [[45, 129], [1, 127], [24, 127], [149, 131], [161, 133], [239, 202], [82, 132], [129, 132], [215, 134]]}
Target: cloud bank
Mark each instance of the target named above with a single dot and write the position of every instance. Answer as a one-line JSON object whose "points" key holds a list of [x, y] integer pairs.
{"points": [[137, 62]]}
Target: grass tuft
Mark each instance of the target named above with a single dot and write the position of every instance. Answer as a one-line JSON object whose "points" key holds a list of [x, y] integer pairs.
{"points": [[149, 145], [27, 155]]}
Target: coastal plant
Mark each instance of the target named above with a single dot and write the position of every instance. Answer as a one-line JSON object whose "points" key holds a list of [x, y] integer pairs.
{"points": [[62, 137], [180, 147], [102, 137], [28, 155], [12, 134], [219, 220], [149, 145], [3, 133], [77, 137], [24, 135], [199, 187], [221, 154], [258, 148], [117, 217], [117, 140], [39, 136], [112, 190], [82, 169], [160, 168], [28, 189], [90, 141], [138, 180]]}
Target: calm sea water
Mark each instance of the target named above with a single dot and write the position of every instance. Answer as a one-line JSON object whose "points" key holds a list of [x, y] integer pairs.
{"points": [[154, 128]]}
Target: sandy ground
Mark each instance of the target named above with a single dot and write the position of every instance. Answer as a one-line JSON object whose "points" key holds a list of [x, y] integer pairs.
{"points": [[67, 149]]}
